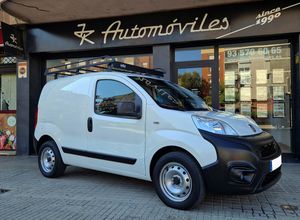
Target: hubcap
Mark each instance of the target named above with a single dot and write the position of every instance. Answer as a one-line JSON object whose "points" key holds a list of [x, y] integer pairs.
{"points": [[175, 182], [47, 159]]}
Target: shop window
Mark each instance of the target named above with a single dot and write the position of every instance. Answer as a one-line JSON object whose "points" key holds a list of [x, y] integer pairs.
{"points": [[8, 92], [8, 114], [255, 81], [197, 80], [143, 60], [194, 54]]}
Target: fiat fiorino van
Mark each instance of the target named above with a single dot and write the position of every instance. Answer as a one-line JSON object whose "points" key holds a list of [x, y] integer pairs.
{"points": [[145, 127]]}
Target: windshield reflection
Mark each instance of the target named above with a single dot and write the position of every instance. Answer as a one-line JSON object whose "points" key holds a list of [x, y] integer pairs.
{"points": [[170, 95]]}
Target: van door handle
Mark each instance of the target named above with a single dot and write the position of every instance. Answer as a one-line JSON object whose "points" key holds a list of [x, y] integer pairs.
{"points": [[90, 124]]}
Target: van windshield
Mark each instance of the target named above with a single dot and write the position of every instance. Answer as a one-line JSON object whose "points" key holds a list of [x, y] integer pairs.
{"points": [[170, 95]]}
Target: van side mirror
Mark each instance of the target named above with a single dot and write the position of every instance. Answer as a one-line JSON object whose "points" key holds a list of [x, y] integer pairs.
{"points": [[138, 107]]}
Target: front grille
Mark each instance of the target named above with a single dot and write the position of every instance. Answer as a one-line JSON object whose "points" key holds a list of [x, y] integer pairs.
{"points": [[268, 149]]}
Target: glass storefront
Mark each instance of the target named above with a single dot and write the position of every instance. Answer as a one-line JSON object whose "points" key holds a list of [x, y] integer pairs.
{"points": [[8, 114], [198, 80], [194, 70], [194, 54], [254, 80], [8, 92], [143, 60]]}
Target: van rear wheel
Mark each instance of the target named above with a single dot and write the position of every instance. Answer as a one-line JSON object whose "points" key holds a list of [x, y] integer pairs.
{"points": [[178, 180], [50, 162]]}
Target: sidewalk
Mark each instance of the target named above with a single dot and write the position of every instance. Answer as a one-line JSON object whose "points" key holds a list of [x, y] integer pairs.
{"points": [[85, 194]]}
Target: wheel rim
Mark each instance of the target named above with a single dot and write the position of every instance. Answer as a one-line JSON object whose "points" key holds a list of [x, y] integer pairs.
{"points": [[47, 159], [175, 182]]}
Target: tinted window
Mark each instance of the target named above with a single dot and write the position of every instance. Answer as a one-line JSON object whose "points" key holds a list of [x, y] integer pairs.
{"points": [[115, 98], [170, 95]]}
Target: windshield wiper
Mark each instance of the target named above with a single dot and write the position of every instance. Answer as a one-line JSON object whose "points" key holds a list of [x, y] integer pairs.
{"points": [[172, 107], [200, 109]]}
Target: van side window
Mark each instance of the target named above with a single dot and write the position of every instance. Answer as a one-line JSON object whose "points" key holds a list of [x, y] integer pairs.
{"points": [[115, 98]]}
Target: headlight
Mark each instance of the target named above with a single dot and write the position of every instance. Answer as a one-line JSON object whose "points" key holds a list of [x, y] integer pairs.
{"points": [[213, 125]]}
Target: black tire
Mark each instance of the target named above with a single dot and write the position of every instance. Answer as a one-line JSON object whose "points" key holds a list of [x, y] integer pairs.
{"points": [[183, 162], [56, 166]]}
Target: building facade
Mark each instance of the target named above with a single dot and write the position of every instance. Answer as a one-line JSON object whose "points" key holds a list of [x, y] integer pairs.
{"points": [[239, 58], [8, 80]]}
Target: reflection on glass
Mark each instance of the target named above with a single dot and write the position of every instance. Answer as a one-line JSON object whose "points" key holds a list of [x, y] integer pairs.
{"points": [[255, 80], [170, 95], [115, 98], [194, 54], [8, 90], [198, 80], [8, 121], [143, 60]]}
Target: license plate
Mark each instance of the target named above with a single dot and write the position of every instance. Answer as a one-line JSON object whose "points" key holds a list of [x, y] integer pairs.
{"points": [[275, 163]]}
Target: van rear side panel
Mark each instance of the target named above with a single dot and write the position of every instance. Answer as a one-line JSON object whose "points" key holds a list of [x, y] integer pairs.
{"points": [[63, 112]]}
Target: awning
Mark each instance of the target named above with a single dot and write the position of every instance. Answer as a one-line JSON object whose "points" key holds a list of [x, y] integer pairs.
{"points": [[45, 11]]}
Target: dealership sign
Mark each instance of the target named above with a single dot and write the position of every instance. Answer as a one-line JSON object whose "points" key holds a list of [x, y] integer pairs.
{"points": [[169, 27], [116, 32], [12, 40]]}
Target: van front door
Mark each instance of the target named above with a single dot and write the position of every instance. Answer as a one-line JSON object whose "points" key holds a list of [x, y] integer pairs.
{"points": [[116, 128]]}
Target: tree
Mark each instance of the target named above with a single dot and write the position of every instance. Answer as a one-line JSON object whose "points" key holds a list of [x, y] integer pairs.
{"points": [[193, 81]]}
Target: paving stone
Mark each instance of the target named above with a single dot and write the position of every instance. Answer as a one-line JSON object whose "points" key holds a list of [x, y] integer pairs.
{"points": [[86, 194]]}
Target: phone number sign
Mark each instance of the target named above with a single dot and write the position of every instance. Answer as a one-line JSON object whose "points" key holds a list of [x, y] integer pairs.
{"points": [[271, 52]]}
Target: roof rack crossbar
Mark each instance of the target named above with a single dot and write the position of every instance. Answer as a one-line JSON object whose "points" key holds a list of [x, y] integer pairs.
{"points": [[112, 65], [134, 69], [88, 70], [49, 72], [87, 60]]}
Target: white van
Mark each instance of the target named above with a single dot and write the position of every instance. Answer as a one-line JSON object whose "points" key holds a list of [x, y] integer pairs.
{"points": [[152, 129]]}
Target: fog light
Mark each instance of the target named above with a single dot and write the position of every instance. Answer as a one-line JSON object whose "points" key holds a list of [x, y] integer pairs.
{"points": [[243, 175]]}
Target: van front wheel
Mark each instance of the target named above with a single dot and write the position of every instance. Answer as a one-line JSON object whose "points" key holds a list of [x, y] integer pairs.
{"points": [[178, 181], [50, 162]]}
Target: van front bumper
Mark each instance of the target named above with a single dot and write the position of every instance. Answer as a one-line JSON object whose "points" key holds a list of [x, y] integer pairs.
{"points": [[244, 164]]}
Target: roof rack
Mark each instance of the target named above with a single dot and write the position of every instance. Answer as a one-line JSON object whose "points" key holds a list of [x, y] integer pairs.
{"points": [[96, 64]]}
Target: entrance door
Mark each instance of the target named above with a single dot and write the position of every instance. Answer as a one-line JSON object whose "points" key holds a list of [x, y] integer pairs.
{"points": [[196, 70], [198, 80]]}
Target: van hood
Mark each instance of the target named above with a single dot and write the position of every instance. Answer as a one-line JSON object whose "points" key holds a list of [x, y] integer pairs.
{"points": [[242, 125]]}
